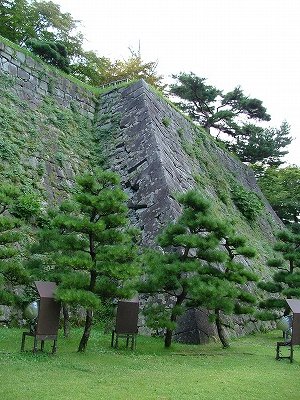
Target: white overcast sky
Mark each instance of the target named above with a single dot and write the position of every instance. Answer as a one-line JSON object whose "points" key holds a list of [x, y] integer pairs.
{"points": [[251, 43]]}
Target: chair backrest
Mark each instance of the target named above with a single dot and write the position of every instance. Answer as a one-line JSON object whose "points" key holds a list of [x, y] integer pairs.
{"points": [[294, 305], [127, 317], [296, 329], [48, 317]]}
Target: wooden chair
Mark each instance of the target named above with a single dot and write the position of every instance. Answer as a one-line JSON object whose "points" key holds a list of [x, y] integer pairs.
{"points": [[126, 324], [47, 322], [294, 305]]}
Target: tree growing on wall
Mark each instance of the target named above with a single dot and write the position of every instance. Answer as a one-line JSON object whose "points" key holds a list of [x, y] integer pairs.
{"points": [[212, 108], [233, 115], [53, 53], [91, 246], [194, 268], [262, 146]]}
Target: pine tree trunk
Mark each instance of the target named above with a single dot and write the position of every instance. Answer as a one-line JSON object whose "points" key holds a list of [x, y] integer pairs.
{"points": [[169, 332], [220, 329], [168, 337], [87, 331], [89, 315], [66, 322]]}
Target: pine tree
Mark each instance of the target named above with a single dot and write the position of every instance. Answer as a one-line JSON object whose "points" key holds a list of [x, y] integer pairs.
{"points": [[212, 108], [233, 116], [262, 147], [223, 289], [286, 279], [90, 246], [193, 264]]}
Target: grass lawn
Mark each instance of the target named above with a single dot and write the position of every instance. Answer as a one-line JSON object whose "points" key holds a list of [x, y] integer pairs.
{"points": [[247, 370]]}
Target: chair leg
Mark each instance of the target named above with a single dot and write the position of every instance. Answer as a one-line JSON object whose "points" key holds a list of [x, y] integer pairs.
{"points": [[54, 347], [127, 341], [35, 344], [112, 338], [23, 341], [277, 352], [42, 345], [292, 354], [134, 342]]}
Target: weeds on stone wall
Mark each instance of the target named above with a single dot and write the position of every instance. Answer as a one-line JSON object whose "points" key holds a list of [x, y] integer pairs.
{"points": [[41, 149], [248, 203], [106, 128], [166, 121]]}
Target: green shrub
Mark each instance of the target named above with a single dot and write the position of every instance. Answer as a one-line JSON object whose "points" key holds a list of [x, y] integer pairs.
{"points": [[180, 132], [166, 121], [247, 202], [28, 205], [52, 52]]}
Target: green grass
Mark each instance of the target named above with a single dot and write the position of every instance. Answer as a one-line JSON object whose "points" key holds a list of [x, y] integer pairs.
{"points": [[247, 370]]}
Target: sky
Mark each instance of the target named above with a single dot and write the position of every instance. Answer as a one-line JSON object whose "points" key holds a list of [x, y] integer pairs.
{"points": [[251, 43]]}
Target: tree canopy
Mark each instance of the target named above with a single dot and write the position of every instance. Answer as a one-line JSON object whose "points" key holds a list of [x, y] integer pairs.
{"points": [[195, 270], [214, 109], [21, 20], [262, 146], [286, 279], [88, 246], [281, 186], [12, 271], [234, 115]]}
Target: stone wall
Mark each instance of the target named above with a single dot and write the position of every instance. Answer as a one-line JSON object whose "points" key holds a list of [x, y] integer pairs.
{"points": [[155, 149], [145, 140], [35, 80], [144, 144], [46, 126]]}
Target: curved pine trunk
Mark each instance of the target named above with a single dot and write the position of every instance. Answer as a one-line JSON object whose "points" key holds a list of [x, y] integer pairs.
{"points": [[89, 316], [66, 322], [220, 329], [168, 337], [169, 332], [87, 331]]}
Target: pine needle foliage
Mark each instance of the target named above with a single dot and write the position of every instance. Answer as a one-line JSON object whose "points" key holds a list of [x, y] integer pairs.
{"points": [[197, 268], [286, 278], [88, 246]]}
